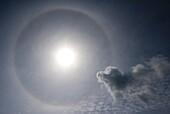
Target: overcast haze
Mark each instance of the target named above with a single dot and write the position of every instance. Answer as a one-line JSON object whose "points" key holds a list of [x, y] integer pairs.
{"points": [[122, 64]]}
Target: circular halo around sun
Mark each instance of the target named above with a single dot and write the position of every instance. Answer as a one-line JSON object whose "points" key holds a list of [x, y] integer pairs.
{"points": [[44, 65]]}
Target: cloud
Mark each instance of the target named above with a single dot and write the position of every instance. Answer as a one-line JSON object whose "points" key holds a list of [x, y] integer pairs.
{"points": [[114, 78], [138, 82], [160, 65]]}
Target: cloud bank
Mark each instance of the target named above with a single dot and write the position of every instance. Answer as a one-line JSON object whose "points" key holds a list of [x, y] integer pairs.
{"points": [[138, 83]]}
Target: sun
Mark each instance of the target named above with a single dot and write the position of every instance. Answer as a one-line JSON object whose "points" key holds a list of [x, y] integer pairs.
{"points": [[66, 57]]}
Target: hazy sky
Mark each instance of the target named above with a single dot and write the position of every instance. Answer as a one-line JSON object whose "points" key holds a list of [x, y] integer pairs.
{"points": [[131, 36]]}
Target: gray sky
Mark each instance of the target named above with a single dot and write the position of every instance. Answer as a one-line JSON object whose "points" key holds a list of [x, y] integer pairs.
{"points": [[103, 33]]}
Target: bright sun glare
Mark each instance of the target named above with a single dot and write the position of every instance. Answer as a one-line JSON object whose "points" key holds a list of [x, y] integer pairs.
{"points": [[66, 57]]}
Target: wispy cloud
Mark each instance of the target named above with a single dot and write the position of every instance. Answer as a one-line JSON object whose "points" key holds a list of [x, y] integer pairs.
{"points": [[139, 85]]}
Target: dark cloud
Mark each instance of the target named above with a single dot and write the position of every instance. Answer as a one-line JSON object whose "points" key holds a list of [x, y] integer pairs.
{"points": [[114, 78], [138, 82]]}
